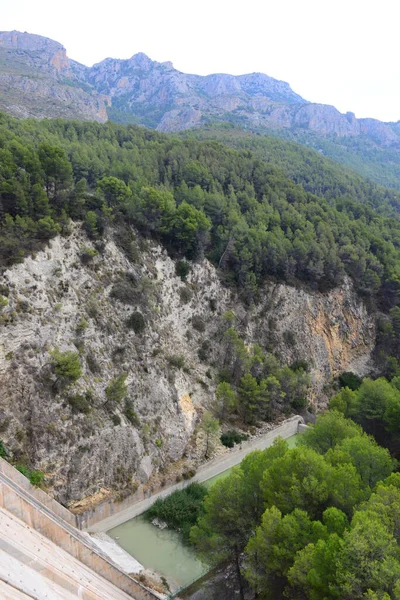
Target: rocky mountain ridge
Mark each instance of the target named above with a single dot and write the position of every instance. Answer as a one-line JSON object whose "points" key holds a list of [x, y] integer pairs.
{"points": [[38, 79], [65, 298]]}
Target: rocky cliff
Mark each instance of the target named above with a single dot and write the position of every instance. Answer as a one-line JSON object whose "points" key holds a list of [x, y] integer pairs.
{"points": [[74, 297], [37, 79]]}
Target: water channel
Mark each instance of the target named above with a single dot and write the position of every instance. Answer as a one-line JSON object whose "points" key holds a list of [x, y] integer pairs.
{"points": [[162, 550]]}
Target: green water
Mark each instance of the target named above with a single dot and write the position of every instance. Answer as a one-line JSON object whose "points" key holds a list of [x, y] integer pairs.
{"points": [[162, 550]]}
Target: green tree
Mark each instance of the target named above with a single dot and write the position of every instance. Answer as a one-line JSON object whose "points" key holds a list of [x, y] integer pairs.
{"points": [[271, 551], [249, 395], [57, 171], [210, 427], [66, 366], [222, 531], [225, 400], [330, 429], [117, 389], [299, 479]]}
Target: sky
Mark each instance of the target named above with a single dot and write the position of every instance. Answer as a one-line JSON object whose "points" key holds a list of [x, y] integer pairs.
{"points": [[343, 53]]}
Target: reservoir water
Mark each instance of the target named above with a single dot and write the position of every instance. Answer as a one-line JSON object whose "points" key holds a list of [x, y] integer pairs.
{"points": [[162, 550]]}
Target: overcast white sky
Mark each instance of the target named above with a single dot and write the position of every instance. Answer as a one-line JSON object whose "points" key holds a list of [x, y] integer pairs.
{"points": [[344, 53]]}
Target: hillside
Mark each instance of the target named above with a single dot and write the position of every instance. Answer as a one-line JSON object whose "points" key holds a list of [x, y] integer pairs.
{"points": [[38, 79], [147, 279]]}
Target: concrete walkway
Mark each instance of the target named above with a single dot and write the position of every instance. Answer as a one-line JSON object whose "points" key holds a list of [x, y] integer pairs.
{"points": [[206, 471]]}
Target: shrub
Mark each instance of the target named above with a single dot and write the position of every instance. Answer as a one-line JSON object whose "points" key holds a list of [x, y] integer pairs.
{"points": [[299, 403], [350, 380], [180, 509], [92, 362], [81, 326], [136, 321], [182, 269], [198, 323], [116, 389], [3, 450], [66, 366], [116, 419], [204, 351], [158, 442], [230, 438], [298, 365], [123, 291], [80, 403], [87, 254], [289, 338], [131, 414], [185, 295], [3, 302], [177, 361], [35, 477]]}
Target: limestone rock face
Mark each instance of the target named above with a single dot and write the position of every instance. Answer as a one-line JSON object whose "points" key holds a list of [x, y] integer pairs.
{"points": [[58, 300], [38, 80]]}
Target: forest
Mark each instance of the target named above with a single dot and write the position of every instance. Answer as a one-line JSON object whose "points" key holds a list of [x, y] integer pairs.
{"points": [[320, 521], [202, 198], [197, 197]]}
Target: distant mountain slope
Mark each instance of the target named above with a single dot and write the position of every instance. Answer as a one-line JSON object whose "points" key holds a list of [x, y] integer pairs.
{"points": [[38, 79]]}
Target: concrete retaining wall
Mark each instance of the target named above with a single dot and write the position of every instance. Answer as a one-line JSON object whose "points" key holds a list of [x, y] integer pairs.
{"points": [[42, 497], [15, 498], [88, 519]]}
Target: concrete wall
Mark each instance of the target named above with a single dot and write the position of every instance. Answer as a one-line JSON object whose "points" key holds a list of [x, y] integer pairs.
{"points": [[16, 500], [108, 508], [59, 510]]}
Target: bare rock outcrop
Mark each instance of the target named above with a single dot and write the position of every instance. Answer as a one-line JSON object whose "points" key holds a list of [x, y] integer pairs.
{"points": [[66, 298]]}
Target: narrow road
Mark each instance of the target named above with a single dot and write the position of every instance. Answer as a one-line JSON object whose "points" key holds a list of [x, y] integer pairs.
{"points": [[206, 471]]}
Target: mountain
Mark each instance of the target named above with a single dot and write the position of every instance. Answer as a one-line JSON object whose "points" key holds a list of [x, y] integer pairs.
{"points": [[38, 79]]}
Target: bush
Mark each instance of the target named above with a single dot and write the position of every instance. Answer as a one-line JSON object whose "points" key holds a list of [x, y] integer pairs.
{"points": [[81, 326], [198, 323], [116, 389], [180, 509], [182, 269], [92, 362], [66, 366], [298, 365], [3, 450], [230, 438], [185, 295], [289, 338], [299, 403], [136, 321], [116, 419], [124, 291], [204, 351], [35, 477], [177, 361], [131, 415], [87, 254], [350, 380], [81, 403]]}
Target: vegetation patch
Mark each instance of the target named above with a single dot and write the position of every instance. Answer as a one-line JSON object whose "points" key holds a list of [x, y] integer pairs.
{"points": [[137, 322], [180, 509], [232, 437]]}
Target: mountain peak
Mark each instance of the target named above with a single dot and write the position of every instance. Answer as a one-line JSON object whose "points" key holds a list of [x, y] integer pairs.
{"points": [[142, 61]]}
